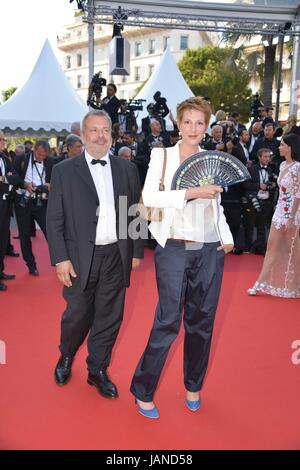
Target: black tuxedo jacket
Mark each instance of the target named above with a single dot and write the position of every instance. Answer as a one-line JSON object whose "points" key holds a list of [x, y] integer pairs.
{"points": [[72, 214], [21, 163], [253, 185], [112, 108], [13, 179]]}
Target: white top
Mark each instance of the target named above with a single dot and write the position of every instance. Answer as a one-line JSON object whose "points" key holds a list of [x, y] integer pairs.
{"points": [[106, 232], [2, 166], [200, 220], [35, 172]]}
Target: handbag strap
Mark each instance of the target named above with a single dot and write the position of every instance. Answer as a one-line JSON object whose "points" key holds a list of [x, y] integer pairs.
{"points": [[162, 178]]}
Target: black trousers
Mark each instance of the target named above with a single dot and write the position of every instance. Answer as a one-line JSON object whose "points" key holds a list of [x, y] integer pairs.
{"points": [[24, 216], [233, 215], [98, 310], [187, 278], [5, 211]]}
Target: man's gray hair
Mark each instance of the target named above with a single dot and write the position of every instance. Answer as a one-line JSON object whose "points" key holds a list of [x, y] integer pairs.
{"points": [[124, 149], [20, 148], [71, 139], [96, 112]]}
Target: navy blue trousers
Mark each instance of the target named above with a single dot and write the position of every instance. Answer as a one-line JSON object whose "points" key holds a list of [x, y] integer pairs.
{"points": [[189, 280]]}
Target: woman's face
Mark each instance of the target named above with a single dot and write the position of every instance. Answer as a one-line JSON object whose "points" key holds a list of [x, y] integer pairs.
{"points": [[192, 126], [285, 150]]}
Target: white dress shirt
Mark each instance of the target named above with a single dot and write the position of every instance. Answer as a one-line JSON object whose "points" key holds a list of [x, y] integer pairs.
{"points": [[200, 220], [106, 232], [35, 173], [3, 170]]}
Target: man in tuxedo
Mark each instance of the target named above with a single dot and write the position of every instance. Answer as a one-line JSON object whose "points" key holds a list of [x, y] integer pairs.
{"points": [[8, 178], [146, 122], [92, 251], [261, 186], [243, 144], [34, 170], [110, 103]]}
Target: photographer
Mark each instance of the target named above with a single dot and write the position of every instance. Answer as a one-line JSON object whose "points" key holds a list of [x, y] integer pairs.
{"points": [[126, 117], [34, 170], [160, 109], [110, 103], [8, 179], [260, 193]]}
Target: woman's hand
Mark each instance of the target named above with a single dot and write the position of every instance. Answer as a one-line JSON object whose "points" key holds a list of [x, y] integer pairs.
{"points": [[227, 248], [290, 223], [208, 191]]}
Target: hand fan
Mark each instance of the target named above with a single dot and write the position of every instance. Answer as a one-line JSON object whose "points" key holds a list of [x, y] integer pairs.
{"points": [[210, 167]]}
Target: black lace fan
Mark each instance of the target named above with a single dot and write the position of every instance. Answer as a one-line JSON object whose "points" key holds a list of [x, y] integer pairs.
{"points": [[210, 167]]}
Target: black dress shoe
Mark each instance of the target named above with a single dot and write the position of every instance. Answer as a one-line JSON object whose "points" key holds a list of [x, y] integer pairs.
{"points": [[12, 253], [33, 271], [62, 373], [7, 277], [105, 387], [3, 286], [237, 251]]}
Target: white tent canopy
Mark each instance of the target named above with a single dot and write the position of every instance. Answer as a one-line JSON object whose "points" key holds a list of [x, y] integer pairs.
{"points": [[168, 80], [47, 102]]}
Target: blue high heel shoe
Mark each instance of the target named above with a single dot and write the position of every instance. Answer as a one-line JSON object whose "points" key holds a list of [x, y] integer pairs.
{"points": [[193, 405], [153, 413]]}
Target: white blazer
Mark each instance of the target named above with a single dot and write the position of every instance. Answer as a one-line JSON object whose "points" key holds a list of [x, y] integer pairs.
{"points": [[171, 200]]}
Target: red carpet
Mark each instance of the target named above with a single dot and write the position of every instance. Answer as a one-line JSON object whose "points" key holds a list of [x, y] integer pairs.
{"points": [[250, 398]]}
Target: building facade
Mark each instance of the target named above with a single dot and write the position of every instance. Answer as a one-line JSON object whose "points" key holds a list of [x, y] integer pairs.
{"points": [[147, 46]]}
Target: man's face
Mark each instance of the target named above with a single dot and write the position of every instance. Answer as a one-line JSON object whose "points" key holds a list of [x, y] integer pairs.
{"points": [[269, 132], [96, 136], [217, 133], [155, 127], [128, 139], [265, 158], [110, 91], [126, 154], [40, 154], [245, 137], [256, 128], [75, 149]]}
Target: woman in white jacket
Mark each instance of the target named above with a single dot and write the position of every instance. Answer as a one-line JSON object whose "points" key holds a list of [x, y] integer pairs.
{"points": [[189, 259]]}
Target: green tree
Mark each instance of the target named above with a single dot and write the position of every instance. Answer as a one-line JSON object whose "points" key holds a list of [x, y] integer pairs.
{"points": [[6, 94], [211, 72]]}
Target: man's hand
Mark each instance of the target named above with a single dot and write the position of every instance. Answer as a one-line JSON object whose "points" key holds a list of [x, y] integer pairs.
{"points": [[135, 263], [28, 187], [227, 248], [63, 271], [208, 191]]}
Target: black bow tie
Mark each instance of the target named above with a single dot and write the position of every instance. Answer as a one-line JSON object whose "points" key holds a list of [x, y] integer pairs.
{"points": [[36, 161], [263, 167], [102, 162]]}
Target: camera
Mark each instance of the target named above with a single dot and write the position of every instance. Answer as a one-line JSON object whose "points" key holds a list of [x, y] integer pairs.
{"points": [[254, 201], [41, 194], [135, 105], [24, 199], [95, 91], [256, 106], [160, 107]]}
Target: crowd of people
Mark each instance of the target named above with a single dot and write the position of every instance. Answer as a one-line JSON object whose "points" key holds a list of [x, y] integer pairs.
{"points": [[75, 197]]}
